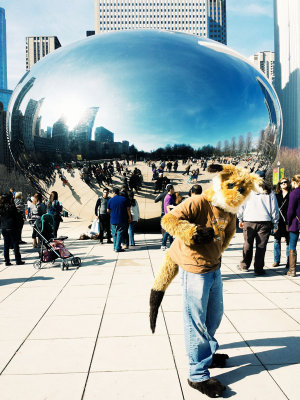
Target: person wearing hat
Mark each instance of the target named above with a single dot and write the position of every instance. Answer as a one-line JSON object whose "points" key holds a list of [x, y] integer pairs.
{"points": [[169, 204]]}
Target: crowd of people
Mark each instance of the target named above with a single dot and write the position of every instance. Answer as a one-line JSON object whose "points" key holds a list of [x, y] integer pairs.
{"points": [[13, 214], [273, 212]]}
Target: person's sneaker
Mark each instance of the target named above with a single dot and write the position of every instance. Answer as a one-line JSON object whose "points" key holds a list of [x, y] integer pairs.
{"points": [[22, 242], [101, 242], [8, 263], [276, 264], [20, 263], [163, 248], [243, 269], [109, 241], [119, 251], [259, 273]]}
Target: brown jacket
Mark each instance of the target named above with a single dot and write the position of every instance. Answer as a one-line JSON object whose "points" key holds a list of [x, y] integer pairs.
{"points": [[201, 258]]}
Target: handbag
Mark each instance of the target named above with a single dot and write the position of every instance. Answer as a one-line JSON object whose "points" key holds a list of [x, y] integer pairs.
{"points": [[95, 227]]}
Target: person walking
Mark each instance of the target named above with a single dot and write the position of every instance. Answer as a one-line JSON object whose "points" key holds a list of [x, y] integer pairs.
{"points": [[187, 170], [119, 209], [293, 218], [135, 213], [257, 216], [282, 193], [21, 209], [9, 223], [169, 204], [103, 216], [55, 208]]}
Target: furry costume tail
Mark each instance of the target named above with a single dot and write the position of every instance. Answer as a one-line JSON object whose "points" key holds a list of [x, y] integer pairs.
{"points": [[166, 274]]}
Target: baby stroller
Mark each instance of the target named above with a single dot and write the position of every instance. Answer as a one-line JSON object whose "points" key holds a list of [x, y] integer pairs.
{"points": [[52, 248]]}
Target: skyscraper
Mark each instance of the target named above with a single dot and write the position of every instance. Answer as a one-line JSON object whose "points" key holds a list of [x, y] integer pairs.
{"points": [[38, 47], [204, 18], [3, 61], [4, 92], [287, 67], [264, 60]]}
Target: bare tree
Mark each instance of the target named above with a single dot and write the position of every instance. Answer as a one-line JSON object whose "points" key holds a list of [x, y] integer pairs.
{"points": [[233, 146], [248, 143], [241, 144], [289, 160], [226, 148]]}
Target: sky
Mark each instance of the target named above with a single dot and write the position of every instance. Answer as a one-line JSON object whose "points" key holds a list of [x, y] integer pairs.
{"points": [[249, 25]]}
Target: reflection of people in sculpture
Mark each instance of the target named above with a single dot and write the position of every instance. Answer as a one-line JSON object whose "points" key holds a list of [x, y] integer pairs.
{"points": [[203, 226]]}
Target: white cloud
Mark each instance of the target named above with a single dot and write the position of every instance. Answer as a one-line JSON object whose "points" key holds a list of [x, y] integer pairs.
{"points": [[250, 7]]}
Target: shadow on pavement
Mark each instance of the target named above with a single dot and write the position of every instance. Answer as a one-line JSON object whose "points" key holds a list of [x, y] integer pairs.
{"points": [[286, 351], [4, 282]]}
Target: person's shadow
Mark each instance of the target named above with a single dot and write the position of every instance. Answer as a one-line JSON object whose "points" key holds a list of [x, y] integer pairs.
{"points": [[283, 351]]}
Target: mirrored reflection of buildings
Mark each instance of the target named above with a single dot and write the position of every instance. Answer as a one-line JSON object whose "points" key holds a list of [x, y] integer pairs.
{"points": [[30, 139], [38, 47], [204, 18], [264, 60]]}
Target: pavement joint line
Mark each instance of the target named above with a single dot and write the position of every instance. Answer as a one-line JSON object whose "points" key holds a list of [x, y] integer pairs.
{"points": [[18, 287], [6, 365], [99, 328], [168, 334], [1, 372], [274, 304], [258, 359], [266, 369]]}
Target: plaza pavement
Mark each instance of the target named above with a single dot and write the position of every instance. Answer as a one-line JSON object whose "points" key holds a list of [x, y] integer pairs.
{"points": [[84, 334]]}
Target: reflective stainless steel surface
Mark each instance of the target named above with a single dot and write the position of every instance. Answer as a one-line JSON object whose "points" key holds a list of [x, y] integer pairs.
{"points": [[96, 98]]}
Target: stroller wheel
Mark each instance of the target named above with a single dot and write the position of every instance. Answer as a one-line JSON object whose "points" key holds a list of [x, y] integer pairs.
{"points": [[65, 265], [76, 261], [37, 264], [62, 265]]}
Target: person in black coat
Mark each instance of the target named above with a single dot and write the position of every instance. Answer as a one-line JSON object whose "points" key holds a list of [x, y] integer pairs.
{"points": [[282, 193], [10, 223]]}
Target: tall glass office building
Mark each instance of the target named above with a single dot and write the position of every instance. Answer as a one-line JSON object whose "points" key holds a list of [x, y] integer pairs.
{"points": [[3, 61], [204, 18], [287, 67], [4, 92]]}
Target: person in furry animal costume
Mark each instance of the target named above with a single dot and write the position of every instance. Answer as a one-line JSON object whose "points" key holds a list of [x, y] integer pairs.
{"points": [[203, 226]]}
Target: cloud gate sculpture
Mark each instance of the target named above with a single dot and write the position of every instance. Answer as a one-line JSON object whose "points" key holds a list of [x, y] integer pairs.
{"points": [[114, 94]]}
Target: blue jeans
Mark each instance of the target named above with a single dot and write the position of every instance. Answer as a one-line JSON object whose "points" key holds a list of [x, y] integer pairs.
{"points": [[293, 240], [202, 313], [131, 232], [277, 250], [117, 231], [165, 239]]}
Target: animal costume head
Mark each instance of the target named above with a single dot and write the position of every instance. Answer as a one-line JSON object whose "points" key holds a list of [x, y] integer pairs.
{"points": [[230, 188]]}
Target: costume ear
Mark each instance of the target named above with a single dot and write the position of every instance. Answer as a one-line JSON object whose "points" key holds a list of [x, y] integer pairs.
{"points": [[257, 183], [215, 168]]}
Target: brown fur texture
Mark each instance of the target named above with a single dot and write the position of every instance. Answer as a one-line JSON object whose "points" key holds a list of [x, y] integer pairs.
{"points": [[184, 230], [231, 187], [212, 387], [229, 190], [166, 274]]}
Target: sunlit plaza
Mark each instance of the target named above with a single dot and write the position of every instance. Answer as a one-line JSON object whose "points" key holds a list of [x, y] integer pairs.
{"points": [[85, 333]]}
